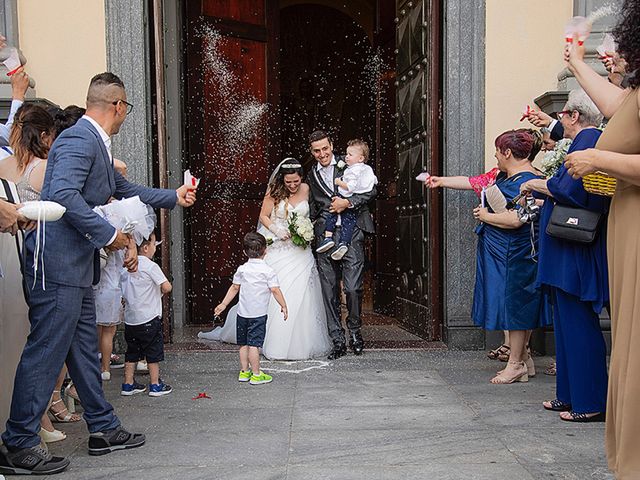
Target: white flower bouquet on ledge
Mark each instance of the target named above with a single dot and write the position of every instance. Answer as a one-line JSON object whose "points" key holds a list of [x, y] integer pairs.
{"points": [[553, 159]]}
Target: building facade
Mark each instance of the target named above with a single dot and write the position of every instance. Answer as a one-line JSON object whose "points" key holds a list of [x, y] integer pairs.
{"points": [[450, 76]]}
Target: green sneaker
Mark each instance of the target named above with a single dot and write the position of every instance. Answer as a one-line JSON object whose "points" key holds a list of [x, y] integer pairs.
{"points": [[244, 376], [260, 379]]}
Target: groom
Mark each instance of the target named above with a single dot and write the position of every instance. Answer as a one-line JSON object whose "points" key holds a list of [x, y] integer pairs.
{"points": [[324, 199]]}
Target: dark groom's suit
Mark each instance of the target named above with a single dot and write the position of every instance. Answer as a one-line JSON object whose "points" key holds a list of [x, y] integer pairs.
{"points": [[79, 176], [351, 267]]}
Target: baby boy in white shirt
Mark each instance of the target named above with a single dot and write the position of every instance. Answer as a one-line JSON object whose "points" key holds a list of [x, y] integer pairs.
{"points": [[357, 178]]}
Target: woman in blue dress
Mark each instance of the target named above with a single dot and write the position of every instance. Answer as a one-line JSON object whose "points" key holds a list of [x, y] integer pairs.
{"points": [[505, 296], [574, 277]]}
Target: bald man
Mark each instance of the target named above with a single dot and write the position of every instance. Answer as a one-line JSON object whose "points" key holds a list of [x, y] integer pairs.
{"points": [[80, 175]]}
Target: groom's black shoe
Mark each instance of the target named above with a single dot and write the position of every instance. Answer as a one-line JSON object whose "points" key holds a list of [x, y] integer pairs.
{"points": [[337, 352], [357, 343]]}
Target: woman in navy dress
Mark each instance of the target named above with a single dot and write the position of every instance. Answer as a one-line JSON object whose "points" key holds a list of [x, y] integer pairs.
{"points": [[505, 295], [574, 278]]}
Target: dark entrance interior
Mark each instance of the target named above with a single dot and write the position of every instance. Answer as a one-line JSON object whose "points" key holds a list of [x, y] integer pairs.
{"points": [[367, 69], [326, 78]]}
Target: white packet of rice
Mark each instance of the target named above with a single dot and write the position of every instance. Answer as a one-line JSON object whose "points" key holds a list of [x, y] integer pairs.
{"points": [[42, 210]]}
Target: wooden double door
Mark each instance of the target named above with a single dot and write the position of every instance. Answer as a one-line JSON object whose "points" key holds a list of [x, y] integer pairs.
{"points": [[418, 126], [233, 69], [231, 87]]}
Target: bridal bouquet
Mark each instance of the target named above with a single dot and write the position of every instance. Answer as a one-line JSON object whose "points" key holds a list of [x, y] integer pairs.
{"points": [[553, 159], [301, 230]]}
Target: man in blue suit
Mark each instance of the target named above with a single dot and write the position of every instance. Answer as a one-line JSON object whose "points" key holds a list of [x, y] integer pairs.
{"points": [[79, 176]]}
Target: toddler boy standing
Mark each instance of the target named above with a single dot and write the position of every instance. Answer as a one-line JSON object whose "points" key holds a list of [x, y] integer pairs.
{"points": [[256, 281], [142, 292]]}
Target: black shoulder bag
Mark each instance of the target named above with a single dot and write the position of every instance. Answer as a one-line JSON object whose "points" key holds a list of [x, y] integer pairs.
{"points": [[574, 224]]}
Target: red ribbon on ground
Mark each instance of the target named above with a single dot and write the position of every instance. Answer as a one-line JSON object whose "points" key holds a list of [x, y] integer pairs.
{"points": [[201, 395]]}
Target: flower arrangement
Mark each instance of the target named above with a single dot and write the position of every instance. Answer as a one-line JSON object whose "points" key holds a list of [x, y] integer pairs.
{"points": [[553, 159], [341, 165], [301, 230]]}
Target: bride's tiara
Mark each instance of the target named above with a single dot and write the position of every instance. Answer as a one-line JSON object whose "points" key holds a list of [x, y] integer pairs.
{"points": [[292, 165]]}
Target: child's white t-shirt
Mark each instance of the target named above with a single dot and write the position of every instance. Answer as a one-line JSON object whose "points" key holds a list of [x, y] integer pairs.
{"points": [[256, 279], [141, 292], [360, 179]]}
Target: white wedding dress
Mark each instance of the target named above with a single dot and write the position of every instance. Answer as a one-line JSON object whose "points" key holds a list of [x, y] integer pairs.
{"points": [[304, 335]]}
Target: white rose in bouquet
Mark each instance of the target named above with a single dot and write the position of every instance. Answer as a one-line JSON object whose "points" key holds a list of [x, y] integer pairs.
{"points": [[305, 229], [301, 230]]}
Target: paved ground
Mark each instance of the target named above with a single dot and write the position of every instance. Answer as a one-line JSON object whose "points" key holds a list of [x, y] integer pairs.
{"points": [[386, 415]]}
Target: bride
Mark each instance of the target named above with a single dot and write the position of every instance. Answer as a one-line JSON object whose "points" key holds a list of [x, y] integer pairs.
{"points": [[304, 335]]}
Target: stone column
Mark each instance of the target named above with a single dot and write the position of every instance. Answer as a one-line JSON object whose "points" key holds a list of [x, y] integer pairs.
{"points": [[9, 21], [464, 52], [128, 57], [175, 123]]}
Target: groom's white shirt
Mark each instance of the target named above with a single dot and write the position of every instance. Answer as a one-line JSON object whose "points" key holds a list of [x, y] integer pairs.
{"points": [[326, 173]]}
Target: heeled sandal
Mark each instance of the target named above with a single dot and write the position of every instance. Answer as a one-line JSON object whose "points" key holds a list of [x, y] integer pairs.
{"points": [[551, 370], [501, 350], [501, 379], [531, 367], [70, 398], [62, 416]]}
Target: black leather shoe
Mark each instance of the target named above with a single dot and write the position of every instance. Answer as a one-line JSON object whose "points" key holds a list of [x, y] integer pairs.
{"points": [[337, 352], [28, 461], [357, 344], [109, 441]]}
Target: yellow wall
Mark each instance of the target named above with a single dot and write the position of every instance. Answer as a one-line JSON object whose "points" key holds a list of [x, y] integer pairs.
{"points": [[523, 58], [64, 43]]}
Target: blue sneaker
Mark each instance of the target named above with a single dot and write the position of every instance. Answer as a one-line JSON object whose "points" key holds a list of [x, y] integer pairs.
{"points": [[134, 388], [326, 245], [159, 389]]}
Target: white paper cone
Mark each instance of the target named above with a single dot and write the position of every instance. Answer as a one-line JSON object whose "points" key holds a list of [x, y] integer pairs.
{"points": [[190, 180], [608, 45], [13, 61], [423, 177]]}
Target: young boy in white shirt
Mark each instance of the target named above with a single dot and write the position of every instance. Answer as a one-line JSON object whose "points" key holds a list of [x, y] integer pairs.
{"points": [[142, 292], [256, 281]]}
